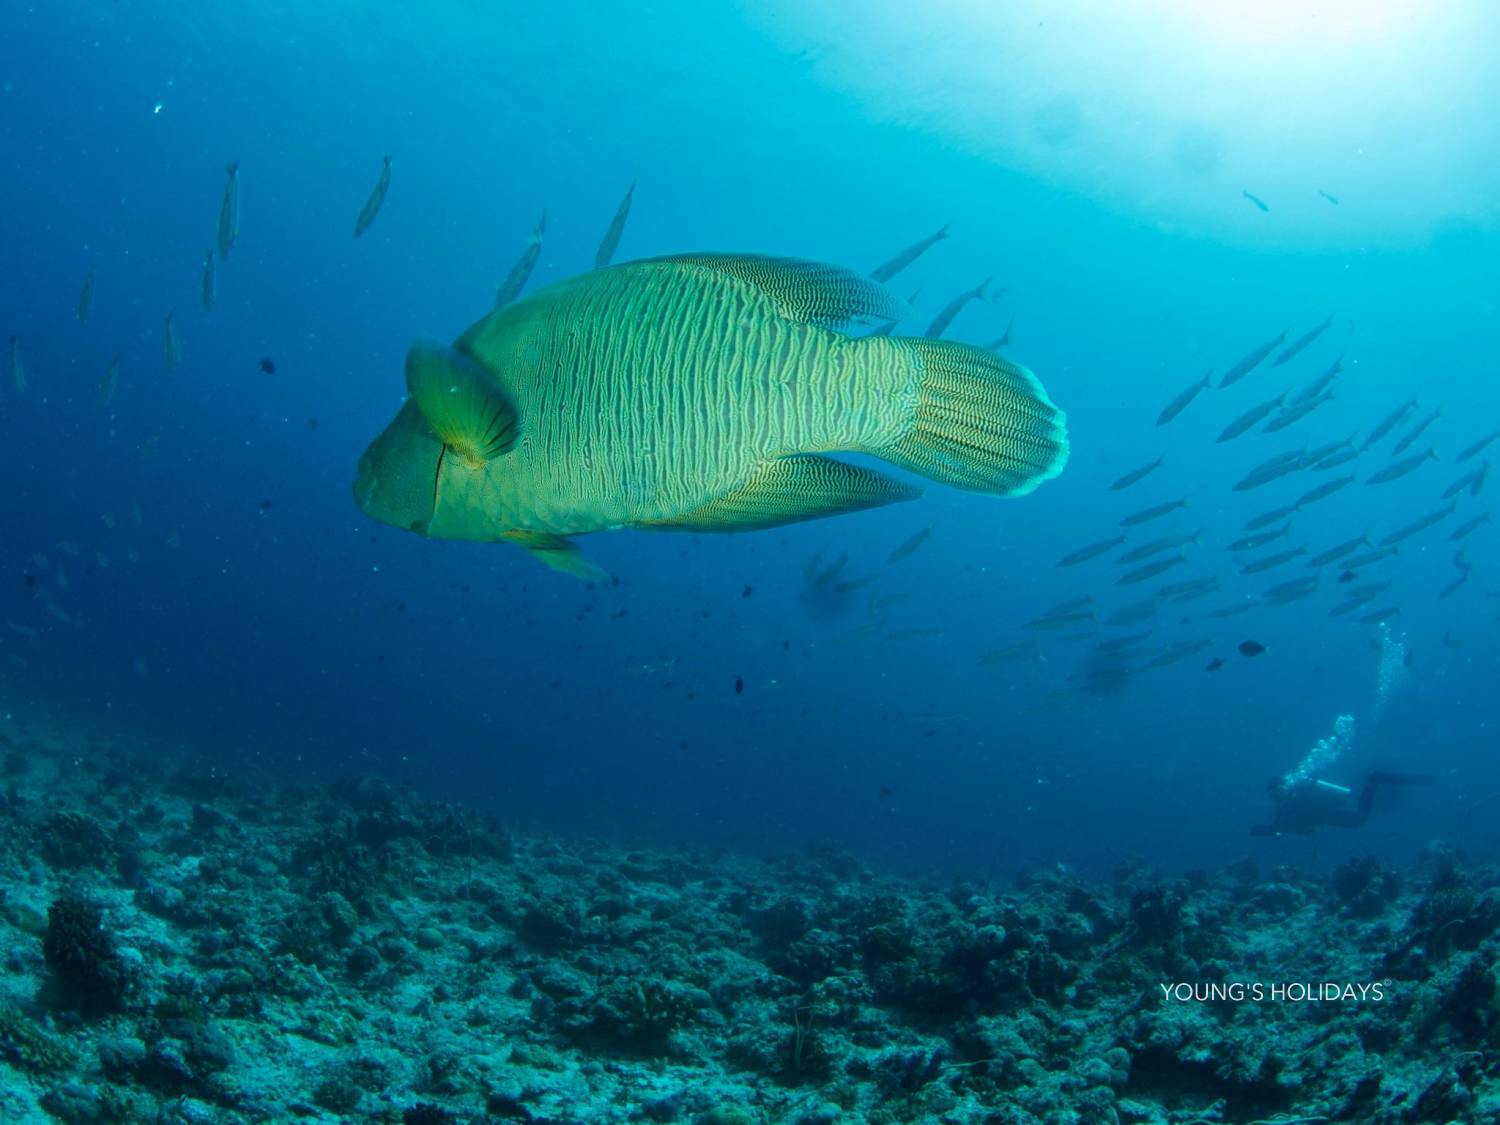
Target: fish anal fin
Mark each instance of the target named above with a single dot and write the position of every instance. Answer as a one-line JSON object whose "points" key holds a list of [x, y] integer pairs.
{"points": [[803, 291], [788, 489], [558, 553]]}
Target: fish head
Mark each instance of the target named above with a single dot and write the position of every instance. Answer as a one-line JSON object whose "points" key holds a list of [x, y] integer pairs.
{"points": [[398, 474]]}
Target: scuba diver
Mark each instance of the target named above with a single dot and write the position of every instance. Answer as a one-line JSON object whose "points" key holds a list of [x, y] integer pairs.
{"points": [[1304, 804]]}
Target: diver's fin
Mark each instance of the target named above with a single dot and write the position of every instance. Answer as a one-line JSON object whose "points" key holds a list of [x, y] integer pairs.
{"points": [[558, 553], [803, 487], [981, 422], [809, 292], [463, 404]]}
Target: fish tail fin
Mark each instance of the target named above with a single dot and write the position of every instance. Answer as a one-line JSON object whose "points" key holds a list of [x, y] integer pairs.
{"points": [[979, 421], [232, 167]]}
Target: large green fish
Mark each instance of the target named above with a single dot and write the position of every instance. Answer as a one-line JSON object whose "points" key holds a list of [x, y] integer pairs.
{"points": [[693, 393]]}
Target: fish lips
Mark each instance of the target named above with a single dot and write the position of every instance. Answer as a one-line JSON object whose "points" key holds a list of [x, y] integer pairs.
{"points": [[397, 480]]}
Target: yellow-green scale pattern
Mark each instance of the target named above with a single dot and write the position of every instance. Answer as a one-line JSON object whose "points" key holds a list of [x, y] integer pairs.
{"points": [[648, 389]]}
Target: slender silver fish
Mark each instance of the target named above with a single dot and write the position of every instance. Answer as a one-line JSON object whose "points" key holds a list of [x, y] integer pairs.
{"points": [[1251, 360], [1280, 558], [171, 350], [1136, 475], [1271, 469], [907, 546], [373, 204], [1150, 570], [1261, 539], [229, 211], [1156, 511], [1418, 525], [18, 369], [86, 298], [1324, 490], [1250, 418], [1335, 553], [1295, 413], [210, 285], [1370, 558], [1295, 348], [520, 273], [1473, 481], [1092, 551], [1265, 519], [1468, 526], [611, 240], [996, 344], [1409, 438], [1318, 385], [1180, 403], [1390, 422], [890, 269], [1398, 469], [1157, 546], [940, 322], [1478, 447]]}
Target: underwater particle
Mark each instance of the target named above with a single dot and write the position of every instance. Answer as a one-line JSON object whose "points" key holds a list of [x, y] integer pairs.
{"points": [[1257, 200], [265, 505], [268, 365], [739, 685], [1251, 648], [373, 204], [1215, 664], [747, 591]]}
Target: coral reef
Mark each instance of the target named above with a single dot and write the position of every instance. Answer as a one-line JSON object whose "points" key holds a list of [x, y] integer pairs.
{"points": [[198, 947]]}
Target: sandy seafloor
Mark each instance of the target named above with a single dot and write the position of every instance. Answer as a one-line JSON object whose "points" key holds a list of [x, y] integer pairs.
{"points": [[182, 943]]}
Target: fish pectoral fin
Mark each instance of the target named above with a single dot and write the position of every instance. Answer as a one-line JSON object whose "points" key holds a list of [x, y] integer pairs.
{"points": [[467, 409], [789, 489], [807, 292], [558, 553]]}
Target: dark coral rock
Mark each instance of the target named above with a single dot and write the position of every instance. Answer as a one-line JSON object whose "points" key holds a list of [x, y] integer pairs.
{"points": [[781, 923], [551, 926], [71, 840], [26, 1046], [82, 956], [427, 1113]]}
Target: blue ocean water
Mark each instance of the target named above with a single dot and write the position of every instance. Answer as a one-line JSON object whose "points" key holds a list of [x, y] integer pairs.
{"points": [[187, 558]]}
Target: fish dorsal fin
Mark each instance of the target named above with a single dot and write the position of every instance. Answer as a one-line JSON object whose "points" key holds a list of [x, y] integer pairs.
{"points": [[466, 408], [556, 552], [803, 487], [807, 292]]}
